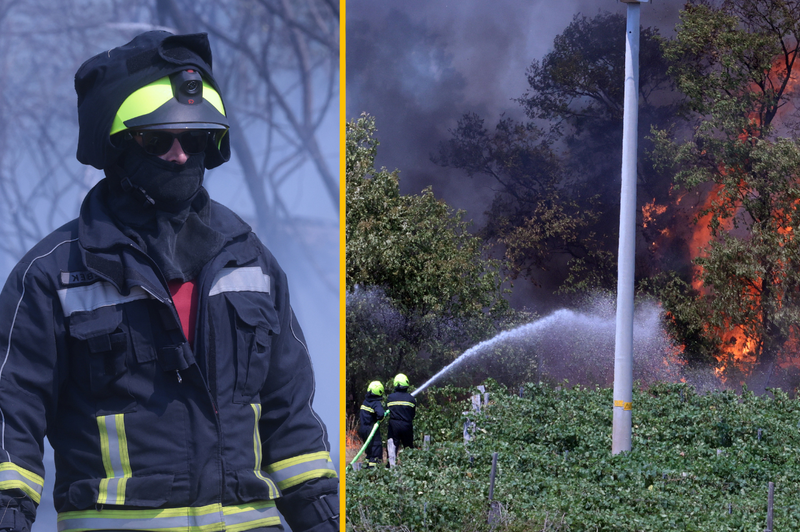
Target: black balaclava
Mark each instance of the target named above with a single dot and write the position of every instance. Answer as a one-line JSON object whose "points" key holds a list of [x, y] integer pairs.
{"points": [[163, 207]]}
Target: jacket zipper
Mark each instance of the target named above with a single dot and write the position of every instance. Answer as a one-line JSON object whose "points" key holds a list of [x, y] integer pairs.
{"points": [[171, 303]]}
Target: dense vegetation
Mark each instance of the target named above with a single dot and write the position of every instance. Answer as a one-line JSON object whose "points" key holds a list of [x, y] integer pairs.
{"points": [[698, 462], [419, 288]]}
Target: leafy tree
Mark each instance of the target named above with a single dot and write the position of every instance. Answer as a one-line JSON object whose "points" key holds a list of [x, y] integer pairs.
{"points": [[553, 208], [735, 63], [414, 246], [537, 215], [579, 81], [436, 292], [578, 87]]}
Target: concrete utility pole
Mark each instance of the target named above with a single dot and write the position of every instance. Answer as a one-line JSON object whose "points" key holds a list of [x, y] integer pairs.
{"points": [[623, 346]]}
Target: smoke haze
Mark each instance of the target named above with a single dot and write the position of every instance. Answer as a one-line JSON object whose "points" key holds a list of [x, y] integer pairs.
{"points": [[419, 66]]}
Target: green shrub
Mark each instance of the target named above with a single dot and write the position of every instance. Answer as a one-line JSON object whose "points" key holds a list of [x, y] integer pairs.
{"points": [[697, 463]]}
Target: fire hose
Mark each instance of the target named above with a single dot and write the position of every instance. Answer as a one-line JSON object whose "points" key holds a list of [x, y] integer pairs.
{"points": [[369, 438]]}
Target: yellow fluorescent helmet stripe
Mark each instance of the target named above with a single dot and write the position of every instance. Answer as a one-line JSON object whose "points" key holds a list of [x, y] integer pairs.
{"points": [[150, 97], [213, 97], [141, 102]]}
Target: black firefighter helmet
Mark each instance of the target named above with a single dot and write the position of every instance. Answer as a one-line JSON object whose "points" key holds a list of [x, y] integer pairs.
{"points": [[156, 81]]}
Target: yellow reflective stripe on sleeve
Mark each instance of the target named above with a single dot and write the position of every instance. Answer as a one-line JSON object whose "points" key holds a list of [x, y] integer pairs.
{"points": [[211, 518], [293, 471], [273, 492], [114, 451], [14, 477], [368, 409], [401, 403]]}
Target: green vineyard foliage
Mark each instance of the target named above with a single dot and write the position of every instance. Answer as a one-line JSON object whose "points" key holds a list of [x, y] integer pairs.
{"points": [[699, 462]]}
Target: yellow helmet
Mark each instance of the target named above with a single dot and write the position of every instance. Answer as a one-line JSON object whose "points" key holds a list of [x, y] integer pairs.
{"points": [[375, 387], [182, 100], [400, 380]]}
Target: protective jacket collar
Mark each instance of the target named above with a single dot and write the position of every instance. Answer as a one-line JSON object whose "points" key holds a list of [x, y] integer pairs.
{"points": [[105, 245]]}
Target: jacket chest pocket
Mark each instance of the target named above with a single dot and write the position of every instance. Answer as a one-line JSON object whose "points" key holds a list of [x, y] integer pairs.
{"points": [[255, 324], [100, 346]]}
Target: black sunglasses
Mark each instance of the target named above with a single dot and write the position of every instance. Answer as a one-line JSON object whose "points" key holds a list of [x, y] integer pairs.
{"points": [[158, 142]]}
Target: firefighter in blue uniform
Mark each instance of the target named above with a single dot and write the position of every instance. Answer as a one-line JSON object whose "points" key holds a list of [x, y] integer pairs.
{"points": [[403, 408], [152, 339], [372, 412]]}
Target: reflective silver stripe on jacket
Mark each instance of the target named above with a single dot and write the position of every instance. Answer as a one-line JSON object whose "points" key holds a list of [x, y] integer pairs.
{"points": [[94, 296], [248, 279], [293, 471], [114, 448], [368, 409], [14, 477], [211, 518]]}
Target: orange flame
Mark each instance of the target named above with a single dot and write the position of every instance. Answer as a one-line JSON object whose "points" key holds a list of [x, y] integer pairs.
{"points": [[650, 211]]}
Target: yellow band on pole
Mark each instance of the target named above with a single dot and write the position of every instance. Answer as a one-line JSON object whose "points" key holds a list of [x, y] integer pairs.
{"points": [[624, 405]]}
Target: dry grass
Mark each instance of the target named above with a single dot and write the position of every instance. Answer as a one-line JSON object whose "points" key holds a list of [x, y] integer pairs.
{"points": [[352, 441]]}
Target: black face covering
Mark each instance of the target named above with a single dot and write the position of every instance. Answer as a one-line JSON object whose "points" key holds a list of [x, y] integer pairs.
{"points": [[164, 209], [168, 186]]}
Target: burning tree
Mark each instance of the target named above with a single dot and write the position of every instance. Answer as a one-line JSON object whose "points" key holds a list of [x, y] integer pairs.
{"points": [[556, 205], [735, 63]]}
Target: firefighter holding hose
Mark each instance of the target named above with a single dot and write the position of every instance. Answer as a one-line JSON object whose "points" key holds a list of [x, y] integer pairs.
{"points": [[403, 408], [371, 414]]}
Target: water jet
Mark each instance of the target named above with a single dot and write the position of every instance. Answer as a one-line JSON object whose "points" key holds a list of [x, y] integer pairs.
{"points": [[578, 345]]}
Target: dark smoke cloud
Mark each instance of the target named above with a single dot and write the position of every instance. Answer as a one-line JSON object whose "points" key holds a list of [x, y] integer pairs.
{"points": [[418, 66]]}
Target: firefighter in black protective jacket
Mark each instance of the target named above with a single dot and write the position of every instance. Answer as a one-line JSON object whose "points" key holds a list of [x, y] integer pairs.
{"points": [[403, 408], [152, 339], [372, 412]]}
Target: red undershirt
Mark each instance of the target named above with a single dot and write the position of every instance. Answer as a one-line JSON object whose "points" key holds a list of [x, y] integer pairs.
{"points": [[184, 296]]}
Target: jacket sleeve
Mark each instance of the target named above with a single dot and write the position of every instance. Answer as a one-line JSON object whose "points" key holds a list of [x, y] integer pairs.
{"points": [[29, 348], [295, 440]]}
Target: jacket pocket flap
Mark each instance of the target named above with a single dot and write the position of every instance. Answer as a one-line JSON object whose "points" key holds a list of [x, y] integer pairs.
{"points": [[101, 321], [255, 311], [149, 491], [251, 486]]}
